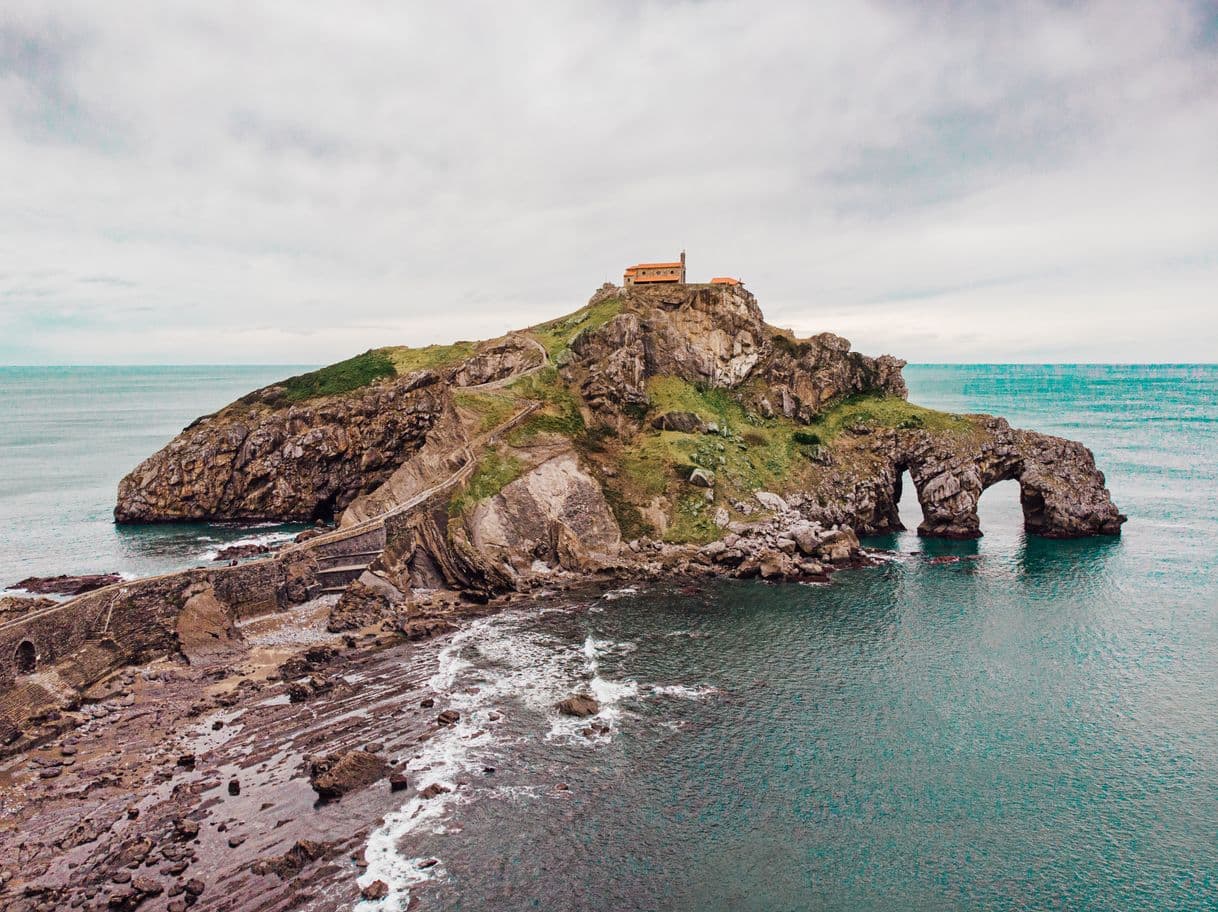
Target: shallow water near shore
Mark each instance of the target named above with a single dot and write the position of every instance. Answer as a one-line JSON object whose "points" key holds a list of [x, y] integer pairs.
{"points": [[1008, 723]]}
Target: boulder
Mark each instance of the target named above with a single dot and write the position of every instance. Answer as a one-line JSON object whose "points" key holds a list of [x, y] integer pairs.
{"points": [[771, 501], [375, 891], [338, 775], [838, 545], [579, 705], [685, 422], [702, 478], [524, 522]]}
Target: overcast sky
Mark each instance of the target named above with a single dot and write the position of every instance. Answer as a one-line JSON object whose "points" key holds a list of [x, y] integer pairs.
{"points": [[293, 182]]}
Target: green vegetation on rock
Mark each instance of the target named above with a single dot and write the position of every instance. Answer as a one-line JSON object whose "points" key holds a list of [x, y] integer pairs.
{"points": [[429, 357], [342, 377], [560, 413], [557, 335], [492, 407], [357, 372], [495, 470], [886, 412]]}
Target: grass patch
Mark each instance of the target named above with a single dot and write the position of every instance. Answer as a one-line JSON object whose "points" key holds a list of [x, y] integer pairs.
{"points": [[494, 472], [560, 413], [883, 411], [343, 377], [672, 394], [429, 357], [361, 370], [692, 521], [492, 408], [557, 335], [629, 518]]}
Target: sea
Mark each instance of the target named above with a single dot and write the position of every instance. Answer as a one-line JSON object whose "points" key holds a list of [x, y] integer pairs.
{"points": [[1006, 724]]}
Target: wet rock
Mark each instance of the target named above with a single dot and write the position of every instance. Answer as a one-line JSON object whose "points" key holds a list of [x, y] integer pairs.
{"points": [[423, 628], [234, 786], [431, 791], [237, 552], [302, 691], [336, 775], [448, 717], [66, 585], [398, 782], [147, 886], [579, 705], [375, 891], [186, 828]]}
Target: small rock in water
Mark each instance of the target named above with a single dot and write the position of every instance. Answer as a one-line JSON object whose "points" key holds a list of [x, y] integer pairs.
{"points": [[378, 889], [579, 705], [448, 717]]}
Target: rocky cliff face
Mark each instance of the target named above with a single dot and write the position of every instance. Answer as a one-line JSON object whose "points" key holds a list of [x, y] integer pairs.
{"points": [[556, 514], [714, 335], [284, 462]]}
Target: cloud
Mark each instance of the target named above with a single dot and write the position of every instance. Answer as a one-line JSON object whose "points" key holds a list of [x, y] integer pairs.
{"points": [[292, 182]]}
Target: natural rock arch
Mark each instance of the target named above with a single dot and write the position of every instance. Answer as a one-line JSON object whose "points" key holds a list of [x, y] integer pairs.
{"points": [[1061, 491], [25, 657]]}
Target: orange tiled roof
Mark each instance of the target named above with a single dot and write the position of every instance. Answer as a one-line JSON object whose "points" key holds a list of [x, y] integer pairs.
{"points": [[653, 266], [724, 280]]}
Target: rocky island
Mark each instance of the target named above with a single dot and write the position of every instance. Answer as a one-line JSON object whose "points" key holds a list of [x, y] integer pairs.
{"points": [[660, 430]]}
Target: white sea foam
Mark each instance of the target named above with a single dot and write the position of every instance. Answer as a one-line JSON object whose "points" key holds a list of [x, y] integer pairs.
{"points": [[615, 594], [684, 692], [268, 538], [492, 662]]}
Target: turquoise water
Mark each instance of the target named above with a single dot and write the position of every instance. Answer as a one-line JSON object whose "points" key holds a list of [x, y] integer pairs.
{"points": [[1034, 726], [68, 434]]}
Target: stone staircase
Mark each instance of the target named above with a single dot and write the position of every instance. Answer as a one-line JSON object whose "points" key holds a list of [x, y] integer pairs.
{"points": [[336, 571]]}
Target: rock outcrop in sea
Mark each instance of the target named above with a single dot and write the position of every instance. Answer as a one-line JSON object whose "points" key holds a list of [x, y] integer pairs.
{"points": [[659, 429]]}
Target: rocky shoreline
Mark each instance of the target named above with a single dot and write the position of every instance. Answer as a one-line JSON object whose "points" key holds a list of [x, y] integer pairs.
{"points": [[245, 781], [198, 785]]}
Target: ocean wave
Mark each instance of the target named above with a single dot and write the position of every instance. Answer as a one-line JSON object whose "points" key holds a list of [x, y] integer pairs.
{"points": [[267, 538], [615, 594], [684, 692], [494, 661]]}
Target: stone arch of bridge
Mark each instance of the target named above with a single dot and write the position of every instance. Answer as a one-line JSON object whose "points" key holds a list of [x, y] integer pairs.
{"points": [[25, 657]]}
